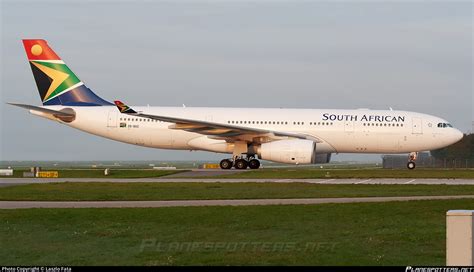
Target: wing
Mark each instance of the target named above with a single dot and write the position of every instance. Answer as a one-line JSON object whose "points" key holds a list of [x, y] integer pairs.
{"points": [[217, 130]]}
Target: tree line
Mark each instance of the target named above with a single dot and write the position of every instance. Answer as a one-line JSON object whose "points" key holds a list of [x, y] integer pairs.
{"points": [[463, 149]]}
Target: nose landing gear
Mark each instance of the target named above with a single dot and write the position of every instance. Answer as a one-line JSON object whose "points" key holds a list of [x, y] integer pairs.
{"points": [[411, 160]]}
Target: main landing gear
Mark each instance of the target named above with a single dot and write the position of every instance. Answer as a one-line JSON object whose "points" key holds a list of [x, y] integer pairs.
{"points": [[411, 160], [226, 164], [240, 163], [241, 149]]}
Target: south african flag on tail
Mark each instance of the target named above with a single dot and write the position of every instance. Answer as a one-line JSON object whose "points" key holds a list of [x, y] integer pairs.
{"points": [[57, 84]]}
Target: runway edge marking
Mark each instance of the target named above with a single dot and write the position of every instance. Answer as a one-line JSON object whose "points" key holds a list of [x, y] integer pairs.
{"points": [[363, 181]]}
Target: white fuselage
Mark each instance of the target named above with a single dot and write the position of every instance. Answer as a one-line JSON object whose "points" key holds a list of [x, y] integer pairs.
{"points": [[341, 131]]}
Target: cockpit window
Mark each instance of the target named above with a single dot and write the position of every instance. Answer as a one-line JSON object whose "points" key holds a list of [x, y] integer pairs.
{"points": [[444, 125]]}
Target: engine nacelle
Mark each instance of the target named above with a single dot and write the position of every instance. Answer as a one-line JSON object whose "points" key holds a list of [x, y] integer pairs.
{"points": [[289, 151]]}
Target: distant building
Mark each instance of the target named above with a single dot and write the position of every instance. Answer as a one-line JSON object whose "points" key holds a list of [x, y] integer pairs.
{"points": [[6, 172]]}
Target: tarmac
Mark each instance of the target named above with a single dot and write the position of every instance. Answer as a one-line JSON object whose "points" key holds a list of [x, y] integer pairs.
{"points": [[197, 203], [19, 181]]}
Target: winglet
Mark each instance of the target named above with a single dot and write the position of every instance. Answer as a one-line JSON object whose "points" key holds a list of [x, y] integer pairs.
{"points": [[123, 108]]}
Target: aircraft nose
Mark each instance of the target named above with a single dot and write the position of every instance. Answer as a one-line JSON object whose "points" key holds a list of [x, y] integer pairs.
{"points": [[457, 135]]}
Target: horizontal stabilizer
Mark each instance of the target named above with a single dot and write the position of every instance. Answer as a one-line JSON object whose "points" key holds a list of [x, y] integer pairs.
{"points": [[66, 115]]}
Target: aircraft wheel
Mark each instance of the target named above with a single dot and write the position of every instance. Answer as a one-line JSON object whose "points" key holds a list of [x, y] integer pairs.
{"points": [[226, 164], [254, 164], [241, 164], [411, 165]]}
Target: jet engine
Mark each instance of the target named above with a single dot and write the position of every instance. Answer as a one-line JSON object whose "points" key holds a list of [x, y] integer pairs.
{"points": [[292, 151]]}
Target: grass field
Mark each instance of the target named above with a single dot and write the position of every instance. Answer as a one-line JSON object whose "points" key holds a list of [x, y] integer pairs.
{"points": [[394, 233], [175, 191], [99, 173], [308, 173], [277, 173]]}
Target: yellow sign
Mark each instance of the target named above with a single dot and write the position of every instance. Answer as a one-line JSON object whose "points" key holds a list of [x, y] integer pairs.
{"points": [[210, 166], [48, 174]]}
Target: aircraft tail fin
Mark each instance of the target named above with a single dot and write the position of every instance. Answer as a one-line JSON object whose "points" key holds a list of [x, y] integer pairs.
{"points": [[57, 84]]}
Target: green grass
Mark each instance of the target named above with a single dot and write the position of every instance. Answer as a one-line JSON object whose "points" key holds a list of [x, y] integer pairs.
{"points": [[275, 173], [305, 173], [394, 233], [175, 191], [99, 173]]}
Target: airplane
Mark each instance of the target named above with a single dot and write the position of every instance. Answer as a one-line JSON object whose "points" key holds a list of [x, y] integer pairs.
{"points": [[291, 136]]}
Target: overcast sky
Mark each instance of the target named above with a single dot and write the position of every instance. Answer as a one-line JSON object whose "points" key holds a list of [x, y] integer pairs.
{"points": [[406, 55]]}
